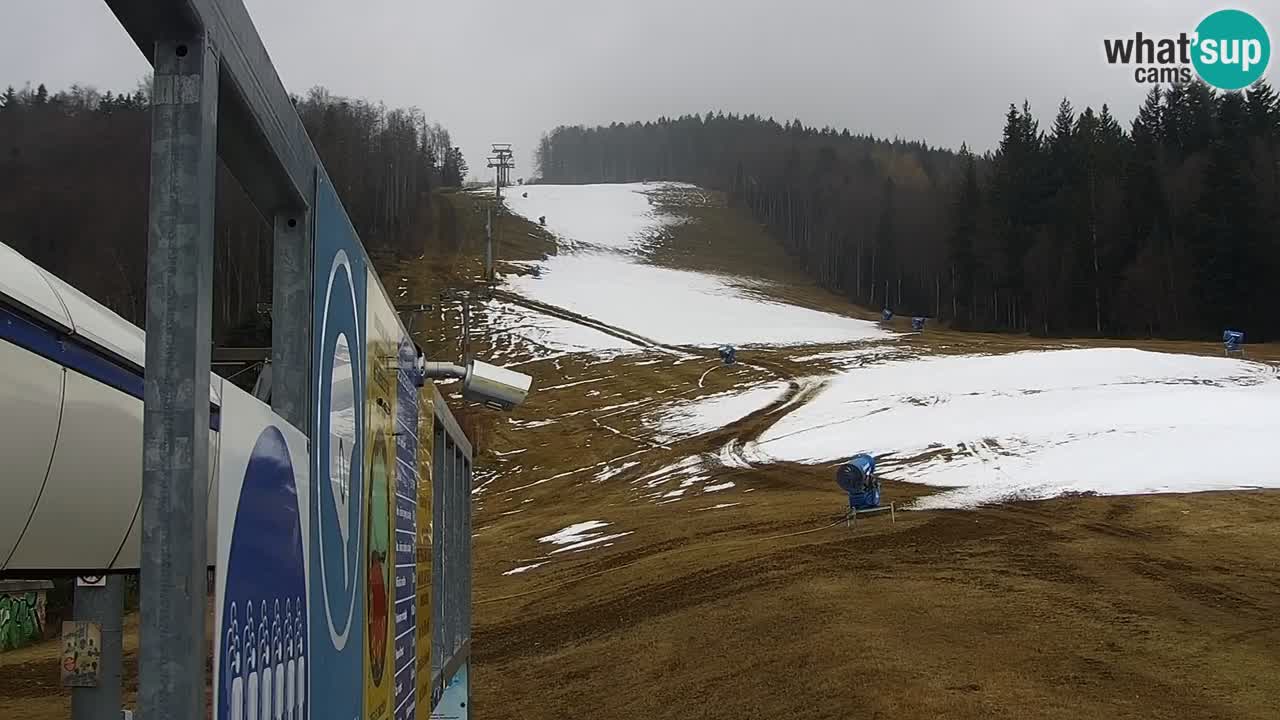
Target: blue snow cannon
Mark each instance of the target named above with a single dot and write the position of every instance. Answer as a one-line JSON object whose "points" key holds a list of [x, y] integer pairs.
{"points": [[886, 315], [917, 324], [858, 478], [1232, 340], [728, 355]]}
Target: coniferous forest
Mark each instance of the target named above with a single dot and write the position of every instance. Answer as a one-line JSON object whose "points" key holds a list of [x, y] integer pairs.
{"points": [[73, 192], [1167, 228]]}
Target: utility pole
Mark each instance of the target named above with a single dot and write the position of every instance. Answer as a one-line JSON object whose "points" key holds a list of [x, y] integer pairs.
{"points": [[465, 297], [502, 163], [488, 245]]}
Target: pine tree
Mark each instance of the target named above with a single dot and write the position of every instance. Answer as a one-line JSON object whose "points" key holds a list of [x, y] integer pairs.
{"points": [[455, 168], [1148, 124], [1225, 240], [1263, 111], [1200, 129], [964, 233], [1145, 201], [884, 263]]}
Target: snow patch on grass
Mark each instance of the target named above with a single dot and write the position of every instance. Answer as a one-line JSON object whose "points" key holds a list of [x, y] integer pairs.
{"points": [[1038, 424], [524, 568], [695, 417]]}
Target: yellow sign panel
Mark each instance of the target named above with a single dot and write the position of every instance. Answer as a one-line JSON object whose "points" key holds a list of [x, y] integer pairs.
{"points": [[423, 551], [379, 559]]}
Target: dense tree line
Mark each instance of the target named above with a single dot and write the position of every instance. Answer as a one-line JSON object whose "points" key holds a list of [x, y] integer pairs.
{"points": [[1169, 228], [73, 192]]}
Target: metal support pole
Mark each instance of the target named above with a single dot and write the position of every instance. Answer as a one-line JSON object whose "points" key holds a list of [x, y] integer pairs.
{"points": [[175, 427], [291, 319], [104, 606], [466, 331], [488, 245]]}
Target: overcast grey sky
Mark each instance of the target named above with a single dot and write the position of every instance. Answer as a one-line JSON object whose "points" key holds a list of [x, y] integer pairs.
{"points": [[507, 71]]}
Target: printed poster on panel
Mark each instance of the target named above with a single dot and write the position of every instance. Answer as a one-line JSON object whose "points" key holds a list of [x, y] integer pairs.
{"points": [[382, 332], [338, 492], [262, 650], [406, 520]]}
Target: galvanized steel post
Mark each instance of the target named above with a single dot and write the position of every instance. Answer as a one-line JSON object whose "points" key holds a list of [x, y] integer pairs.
{"points": [[175, 429], [291, 319]]}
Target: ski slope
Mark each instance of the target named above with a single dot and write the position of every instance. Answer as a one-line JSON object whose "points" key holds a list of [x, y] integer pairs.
{"points": [[600, 272], [1035, 425], [982, 428]]}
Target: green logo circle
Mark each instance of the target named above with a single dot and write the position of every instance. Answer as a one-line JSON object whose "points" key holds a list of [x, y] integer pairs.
{"points": [[1232, 49]]}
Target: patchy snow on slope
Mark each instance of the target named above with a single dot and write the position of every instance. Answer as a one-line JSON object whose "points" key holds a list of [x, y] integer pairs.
{"points": [[686, 467], [599, 272], [1035, 425], [580, 536], [712, 412], [611, 471], [515, 331], [524, 568], [859, 354], [574, 533]]}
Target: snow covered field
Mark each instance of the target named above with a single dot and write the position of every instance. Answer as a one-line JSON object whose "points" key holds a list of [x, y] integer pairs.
{"points": [[515, 331], [984, 428], [712, 412], [600, 272], [1039, 424]]}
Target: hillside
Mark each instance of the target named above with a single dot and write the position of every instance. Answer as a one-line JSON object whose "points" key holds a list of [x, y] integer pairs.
{"points": [[1072, 225], [657, 533]]}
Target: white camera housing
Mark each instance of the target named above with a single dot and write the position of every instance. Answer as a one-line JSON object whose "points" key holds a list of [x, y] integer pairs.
{"points": [[498, 388]]}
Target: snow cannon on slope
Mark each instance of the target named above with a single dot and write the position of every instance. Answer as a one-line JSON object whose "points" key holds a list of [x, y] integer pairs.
{"points": [[1233, 341], [858, 478], [728, 355], [886, 315], [917, 324]]}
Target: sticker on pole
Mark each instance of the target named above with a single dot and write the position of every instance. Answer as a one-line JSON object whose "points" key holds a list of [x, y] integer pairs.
{"points": [[81, 653]]}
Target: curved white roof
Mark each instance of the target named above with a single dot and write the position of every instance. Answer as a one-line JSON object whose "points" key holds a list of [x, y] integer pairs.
{"points": [[24, 283], [43, 294], [99, 325]]}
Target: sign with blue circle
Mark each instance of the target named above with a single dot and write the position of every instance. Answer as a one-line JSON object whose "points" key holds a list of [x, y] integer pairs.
{"points": [[338, 487]]}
